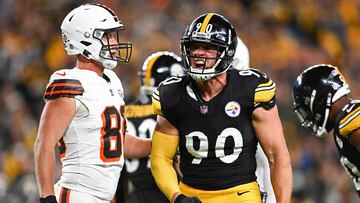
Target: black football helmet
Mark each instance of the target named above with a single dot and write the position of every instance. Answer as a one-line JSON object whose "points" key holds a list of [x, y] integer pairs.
{"points": [[156, 68], [314, 92], [216, 30]]}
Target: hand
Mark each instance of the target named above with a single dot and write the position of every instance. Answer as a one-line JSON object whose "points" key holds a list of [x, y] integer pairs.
{"points": [[48, 199], [184, 199]]}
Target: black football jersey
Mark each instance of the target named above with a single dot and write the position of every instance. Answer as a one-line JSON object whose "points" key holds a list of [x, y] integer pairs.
{"points": [[217, 142], [141, 122], [346, 122]]}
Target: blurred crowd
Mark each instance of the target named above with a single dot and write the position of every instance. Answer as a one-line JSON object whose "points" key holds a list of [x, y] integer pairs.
{"points": [[283, 37]]}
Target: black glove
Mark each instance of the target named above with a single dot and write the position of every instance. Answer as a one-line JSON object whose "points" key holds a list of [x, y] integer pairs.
{"points": [[48, 199], [184, 199]]}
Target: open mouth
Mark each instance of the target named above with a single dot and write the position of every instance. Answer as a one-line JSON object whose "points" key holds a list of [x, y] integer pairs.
{"points": [[200, 63]]}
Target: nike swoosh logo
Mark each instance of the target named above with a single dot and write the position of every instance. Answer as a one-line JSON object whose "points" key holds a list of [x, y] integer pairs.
{"points": [[61, 74], [241, 193]]}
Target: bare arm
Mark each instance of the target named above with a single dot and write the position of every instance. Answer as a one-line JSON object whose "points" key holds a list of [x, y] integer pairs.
{"points": [[54, 120], [135, 147], [269, 132]]}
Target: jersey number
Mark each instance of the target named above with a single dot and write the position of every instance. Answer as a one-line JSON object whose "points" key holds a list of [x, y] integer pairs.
{"points": [[144, 130], [352, 170], [202, 151], [111, 135]]}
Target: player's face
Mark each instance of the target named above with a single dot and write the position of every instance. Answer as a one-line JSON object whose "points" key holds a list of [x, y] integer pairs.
{"points": [[203, 55], [111, 39]]}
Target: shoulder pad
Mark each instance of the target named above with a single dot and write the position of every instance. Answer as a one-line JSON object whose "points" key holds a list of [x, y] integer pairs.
{"points": [[156, 105], [63, 83], [265, 91], [168, 87], [351, 121], [265, 87], [114, 80]]}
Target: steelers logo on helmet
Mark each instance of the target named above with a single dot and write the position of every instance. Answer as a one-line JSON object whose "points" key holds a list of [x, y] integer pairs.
{"points": [[232, 109]]}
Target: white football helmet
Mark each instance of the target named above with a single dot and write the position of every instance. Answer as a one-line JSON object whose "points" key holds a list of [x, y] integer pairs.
{"points": [[93, 30], [241, 59]]}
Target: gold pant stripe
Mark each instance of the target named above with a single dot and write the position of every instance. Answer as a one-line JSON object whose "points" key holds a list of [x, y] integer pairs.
{"points": [[245, 193]]}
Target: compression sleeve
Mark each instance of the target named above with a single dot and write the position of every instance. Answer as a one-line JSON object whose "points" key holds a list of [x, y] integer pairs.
{"points": [[163, 150]]}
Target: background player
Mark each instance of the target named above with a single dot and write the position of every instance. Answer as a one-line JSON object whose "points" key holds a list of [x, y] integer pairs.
{"points": [[84, 113], [141, 122], [321, 101], [216, 116]]}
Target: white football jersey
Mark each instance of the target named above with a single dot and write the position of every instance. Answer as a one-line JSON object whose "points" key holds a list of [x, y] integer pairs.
{"points": [[91, 149]]}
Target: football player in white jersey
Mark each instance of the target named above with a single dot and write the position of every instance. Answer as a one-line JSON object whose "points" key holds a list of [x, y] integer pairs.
{"points": [[84, 113], [242, 61]]}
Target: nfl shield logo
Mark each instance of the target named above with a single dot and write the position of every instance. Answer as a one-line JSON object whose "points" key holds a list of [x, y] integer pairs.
{"points": [[203, 109]]}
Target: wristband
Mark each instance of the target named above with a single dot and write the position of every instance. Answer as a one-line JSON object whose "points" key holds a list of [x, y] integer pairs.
{"points": [[48, 199]]}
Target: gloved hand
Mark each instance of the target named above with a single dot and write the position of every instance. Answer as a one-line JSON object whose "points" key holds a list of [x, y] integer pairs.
{"points": [[48, 199], [184, 199]]}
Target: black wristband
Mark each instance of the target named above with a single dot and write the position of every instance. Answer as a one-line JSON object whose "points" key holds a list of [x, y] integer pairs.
{"points": [[179, 198], [48, 199], [184, 199]]}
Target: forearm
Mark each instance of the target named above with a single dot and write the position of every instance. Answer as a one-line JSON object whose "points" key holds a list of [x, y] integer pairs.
{"points": [[44, 157], [135, 147], [163, 151], [281, 179]]}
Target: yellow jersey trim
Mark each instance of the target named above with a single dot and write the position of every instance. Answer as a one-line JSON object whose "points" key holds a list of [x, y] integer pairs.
{"points": [[137, 111], [350, 122]]}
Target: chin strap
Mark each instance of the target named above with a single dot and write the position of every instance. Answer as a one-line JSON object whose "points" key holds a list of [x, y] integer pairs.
{"points": [[321, 131]]}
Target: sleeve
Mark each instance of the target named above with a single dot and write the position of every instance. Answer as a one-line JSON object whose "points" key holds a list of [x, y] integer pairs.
{"points": [[350, 122], [167, 98], [156, 104], [264, 95], [162, 153], [62, 84]]}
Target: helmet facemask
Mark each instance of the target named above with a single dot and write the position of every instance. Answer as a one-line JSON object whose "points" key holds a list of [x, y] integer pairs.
{"points": [[198, 65], [112, 50]]}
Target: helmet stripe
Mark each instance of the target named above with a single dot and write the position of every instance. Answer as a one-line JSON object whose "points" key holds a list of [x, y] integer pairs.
{"points": [[206, 22], [108, 9], [150, 65]]}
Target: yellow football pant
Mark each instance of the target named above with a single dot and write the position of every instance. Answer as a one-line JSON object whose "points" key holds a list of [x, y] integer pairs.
{"points": [[245, 193]]}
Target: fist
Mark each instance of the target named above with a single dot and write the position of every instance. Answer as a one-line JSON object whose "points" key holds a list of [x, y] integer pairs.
{"points": [[184, 199]]}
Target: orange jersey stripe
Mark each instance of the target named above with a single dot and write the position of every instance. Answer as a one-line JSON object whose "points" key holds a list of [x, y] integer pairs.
{"points": [[74, 92], [65, 84]]}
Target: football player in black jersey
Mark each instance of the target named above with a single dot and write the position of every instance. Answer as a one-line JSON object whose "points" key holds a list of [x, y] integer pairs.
{"points": [[216, 115], [141, 122], [321, 102]]}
